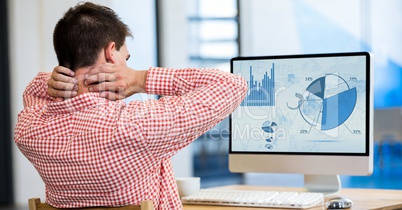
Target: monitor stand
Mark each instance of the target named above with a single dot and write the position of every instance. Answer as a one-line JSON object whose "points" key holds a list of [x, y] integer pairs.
{"points": [[327, 184]]}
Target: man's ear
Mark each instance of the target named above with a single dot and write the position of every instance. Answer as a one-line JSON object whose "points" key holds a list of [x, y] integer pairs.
{"points": [[109, 52]]}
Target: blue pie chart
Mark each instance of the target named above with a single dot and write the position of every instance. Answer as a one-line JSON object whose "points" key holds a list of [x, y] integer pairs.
{"points": [[328, 102], [269, 127]]}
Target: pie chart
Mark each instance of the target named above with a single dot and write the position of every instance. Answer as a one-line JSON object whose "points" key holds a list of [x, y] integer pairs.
{"points": [[328, 102], [269, 127]]}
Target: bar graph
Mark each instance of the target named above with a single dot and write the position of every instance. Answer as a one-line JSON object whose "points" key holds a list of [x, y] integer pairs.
{"points": [[261, 93]]}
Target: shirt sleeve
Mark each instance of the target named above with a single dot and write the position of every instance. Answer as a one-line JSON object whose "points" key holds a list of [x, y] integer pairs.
{"points": [[194, 100], [36, 91]]}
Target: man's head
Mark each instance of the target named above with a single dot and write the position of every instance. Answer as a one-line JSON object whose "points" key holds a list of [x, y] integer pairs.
{"points": [[84, 32]]}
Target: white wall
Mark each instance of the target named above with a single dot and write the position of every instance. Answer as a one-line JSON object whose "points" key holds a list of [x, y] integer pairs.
{"points": [[31, 50]]}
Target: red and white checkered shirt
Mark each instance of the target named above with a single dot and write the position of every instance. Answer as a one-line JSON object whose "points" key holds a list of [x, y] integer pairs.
{"points": [[90, 151]]}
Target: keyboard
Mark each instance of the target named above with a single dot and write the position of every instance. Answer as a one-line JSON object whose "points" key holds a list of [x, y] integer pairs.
{"points": [[254, 198]]}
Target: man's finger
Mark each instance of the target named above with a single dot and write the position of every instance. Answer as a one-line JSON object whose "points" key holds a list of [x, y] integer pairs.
{"points": [[61, 94], [63, 78], [111, 95], [64, 70], [62, 85], [104, 86], [102, 68], [99, 78]]}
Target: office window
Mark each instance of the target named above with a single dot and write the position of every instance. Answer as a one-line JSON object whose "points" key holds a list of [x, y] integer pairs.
{"points": [[213, 37], [213, 33]]}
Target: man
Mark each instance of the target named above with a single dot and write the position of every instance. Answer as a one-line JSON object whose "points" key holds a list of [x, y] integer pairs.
{"points": [[92, 151]]}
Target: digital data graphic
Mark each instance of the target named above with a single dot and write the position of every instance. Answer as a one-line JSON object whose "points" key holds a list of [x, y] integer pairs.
{"points": [[301, 105], [261, 92], [328, 103]]}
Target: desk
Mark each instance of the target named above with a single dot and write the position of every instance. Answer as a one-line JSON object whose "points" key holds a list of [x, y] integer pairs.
{"points": [[363, 199]]}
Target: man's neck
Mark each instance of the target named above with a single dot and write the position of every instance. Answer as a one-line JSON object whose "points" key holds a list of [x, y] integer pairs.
{"points": [[80, 76]]}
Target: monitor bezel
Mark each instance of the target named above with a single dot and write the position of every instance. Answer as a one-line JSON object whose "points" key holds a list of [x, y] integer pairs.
{"points": [[369, 103]]}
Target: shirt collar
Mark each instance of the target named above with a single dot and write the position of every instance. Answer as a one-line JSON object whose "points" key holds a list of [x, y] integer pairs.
{"points": [[86, 100]]}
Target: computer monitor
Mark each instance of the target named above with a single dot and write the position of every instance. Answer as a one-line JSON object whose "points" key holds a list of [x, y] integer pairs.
{"points": [[307, 114]]}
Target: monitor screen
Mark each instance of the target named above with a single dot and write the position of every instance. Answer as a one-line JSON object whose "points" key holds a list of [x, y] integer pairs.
{"points": [[303, 110]]}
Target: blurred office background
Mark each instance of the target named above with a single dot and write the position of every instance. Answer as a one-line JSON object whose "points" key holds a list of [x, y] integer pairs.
{"points": [[207, 33]]}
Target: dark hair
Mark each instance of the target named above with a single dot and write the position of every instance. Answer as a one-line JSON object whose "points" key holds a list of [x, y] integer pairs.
{"points": [[84, 31]]}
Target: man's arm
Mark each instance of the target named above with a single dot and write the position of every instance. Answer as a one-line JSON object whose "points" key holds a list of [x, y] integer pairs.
{"points": [[36, 91], [198, 99], [49, 87]]}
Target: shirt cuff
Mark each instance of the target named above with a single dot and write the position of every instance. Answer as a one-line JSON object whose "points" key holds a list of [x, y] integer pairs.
{"points": [[160, 81]]}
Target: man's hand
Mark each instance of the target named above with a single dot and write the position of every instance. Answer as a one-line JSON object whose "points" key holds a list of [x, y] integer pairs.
{"points": [[115, 82], [62, 84]]}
